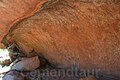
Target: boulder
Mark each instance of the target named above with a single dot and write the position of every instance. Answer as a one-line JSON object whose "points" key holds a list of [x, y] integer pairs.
{"points": [[14, 75], [72, 32], [27, 64]]}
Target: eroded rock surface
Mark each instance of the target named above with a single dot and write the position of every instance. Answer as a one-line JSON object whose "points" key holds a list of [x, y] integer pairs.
{"points": [[12, 11], [74, 32]]}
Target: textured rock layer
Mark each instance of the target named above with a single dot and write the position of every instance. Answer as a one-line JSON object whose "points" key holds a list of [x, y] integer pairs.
{"points": [[13, 10], [72, 32]]}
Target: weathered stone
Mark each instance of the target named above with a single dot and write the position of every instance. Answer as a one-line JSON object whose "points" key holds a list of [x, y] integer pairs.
{"points": [[12, 11], [27, 64], [14, 75], [72, 32]]}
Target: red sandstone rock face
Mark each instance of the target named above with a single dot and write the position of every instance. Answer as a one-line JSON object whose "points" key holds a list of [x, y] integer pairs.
{"points": [[13, 10], [69, 33]]}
